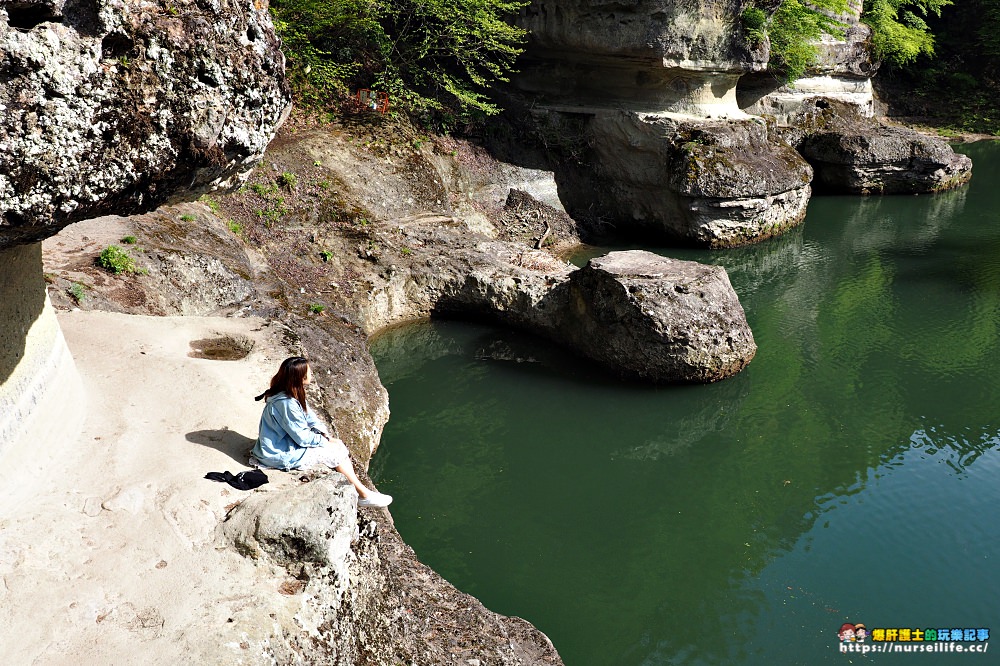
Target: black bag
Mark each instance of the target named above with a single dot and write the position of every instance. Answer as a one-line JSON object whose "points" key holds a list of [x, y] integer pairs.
{"points": [[243, 481]]}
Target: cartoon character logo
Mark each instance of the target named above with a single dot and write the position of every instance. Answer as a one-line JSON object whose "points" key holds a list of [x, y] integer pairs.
{"points": [[860, 633], [846, 633]]}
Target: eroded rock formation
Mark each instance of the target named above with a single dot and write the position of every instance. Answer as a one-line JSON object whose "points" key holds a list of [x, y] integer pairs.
{"points": [[638, 314], [828, 116], [622, 89], [710, 183], [119, 107], [115, 107], [655, 318], [649, 55], [842, 72], [389, 268], [651, 88], [360, 605], [854, 154], [36, 368]]}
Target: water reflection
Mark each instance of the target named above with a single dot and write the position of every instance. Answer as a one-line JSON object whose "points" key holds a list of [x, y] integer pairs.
{"points": [[739, 522], [957, 450]]}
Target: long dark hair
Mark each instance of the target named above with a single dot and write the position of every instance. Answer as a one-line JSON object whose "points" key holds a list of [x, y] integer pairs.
{"points": [[289, 380]]}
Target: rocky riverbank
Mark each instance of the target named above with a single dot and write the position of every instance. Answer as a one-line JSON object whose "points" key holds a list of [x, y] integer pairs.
{"points": [[344, 232], [365, 598], [344, 229]]}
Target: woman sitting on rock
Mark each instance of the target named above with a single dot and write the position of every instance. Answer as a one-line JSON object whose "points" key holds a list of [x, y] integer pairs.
{"points": [[291, 437]]}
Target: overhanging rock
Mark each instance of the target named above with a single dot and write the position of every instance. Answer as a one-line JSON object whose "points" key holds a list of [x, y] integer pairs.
{"points": [[640, 315], [117, 107]]}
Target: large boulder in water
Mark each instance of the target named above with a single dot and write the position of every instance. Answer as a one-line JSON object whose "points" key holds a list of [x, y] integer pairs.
{"points": [[658, 319], [854, 154], [116, 107], [709, 183], [640, 315]]}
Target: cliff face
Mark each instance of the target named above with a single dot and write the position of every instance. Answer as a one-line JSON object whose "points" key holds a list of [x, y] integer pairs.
{"points": [[705, 182], [664, 33], [843, 72], [634, 82], [114, 107], [650, 55], [119, 107]]}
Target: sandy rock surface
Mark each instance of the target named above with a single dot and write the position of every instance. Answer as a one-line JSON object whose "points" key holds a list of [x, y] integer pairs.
{"points": [[107, 541]]}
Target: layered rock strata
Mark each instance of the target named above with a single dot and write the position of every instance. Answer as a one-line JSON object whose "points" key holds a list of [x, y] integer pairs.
{"points": [[36, 368], [119, 107], [708, 183], [829, 116], [649, 55], [842, 72], [635, 82]]}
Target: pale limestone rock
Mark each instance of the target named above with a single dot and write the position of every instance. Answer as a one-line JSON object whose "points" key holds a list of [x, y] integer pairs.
{"points": [[659, 319], [119, 106]]}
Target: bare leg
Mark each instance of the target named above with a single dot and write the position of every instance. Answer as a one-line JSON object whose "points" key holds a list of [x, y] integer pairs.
{"points": [[347, 469]]}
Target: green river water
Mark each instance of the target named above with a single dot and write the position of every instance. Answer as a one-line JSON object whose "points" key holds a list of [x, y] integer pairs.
{"points": [[850, 473]]}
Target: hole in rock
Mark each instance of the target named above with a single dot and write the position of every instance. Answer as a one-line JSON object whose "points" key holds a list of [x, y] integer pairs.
{"points": [[14, 219], [26, 17], [752, 87], [116, 45], [225, 348]]}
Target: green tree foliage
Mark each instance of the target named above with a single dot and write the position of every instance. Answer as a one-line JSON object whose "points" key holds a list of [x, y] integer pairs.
{"points": [[330, 45], [899, 30], [428, 55], [988, 28], [794, 29], [754, 24], [959, 86]]}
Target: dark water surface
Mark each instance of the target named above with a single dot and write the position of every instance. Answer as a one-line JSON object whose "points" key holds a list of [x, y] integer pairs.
{"points": [[850, 473]]}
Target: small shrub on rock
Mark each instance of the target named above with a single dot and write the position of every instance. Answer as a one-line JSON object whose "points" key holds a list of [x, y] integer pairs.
{"points": [[77, 291], [117, 260]]}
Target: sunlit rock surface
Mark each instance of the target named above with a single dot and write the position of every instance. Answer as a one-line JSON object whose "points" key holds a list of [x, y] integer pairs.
{"points": [[118, 106], [635, 81], [828, 115], [649, 55], [659, 319], [842, 72], [708, 183], [640, 315]]}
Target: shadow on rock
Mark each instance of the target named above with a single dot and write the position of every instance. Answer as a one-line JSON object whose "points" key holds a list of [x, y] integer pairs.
{"points": [[232, 443]]}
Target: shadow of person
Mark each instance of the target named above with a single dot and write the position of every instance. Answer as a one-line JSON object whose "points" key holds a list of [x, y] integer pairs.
{"points": [[230, 442]]}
